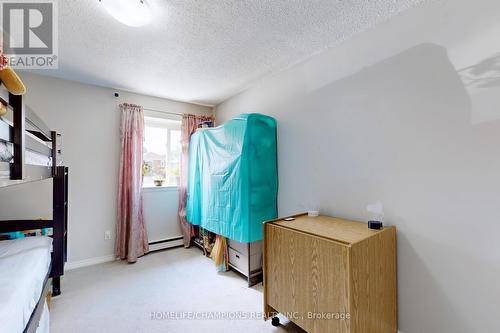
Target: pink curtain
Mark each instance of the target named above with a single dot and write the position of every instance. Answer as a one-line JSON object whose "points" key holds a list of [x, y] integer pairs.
{"points": [[189, 125], [131, 235]]}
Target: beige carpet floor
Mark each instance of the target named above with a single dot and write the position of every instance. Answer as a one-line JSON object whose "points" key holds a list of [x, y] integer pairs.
{"points": [[154, 294]]}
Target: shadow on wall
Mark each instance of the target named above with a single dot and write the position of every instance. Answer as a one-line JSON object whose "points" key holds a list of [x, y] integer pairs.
{"points": [[484, 74], [400, 132], [482, 81]]}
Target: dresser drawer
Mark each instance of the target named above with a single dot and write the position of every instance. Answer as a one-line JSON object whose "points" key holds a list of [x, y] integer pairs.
{"points": [[240, 261], [255, 247]]}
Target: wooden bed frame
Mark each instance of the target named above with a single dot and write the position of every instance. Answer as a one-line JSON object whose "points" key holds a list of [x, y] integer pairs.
{"points": [[26, 134]]}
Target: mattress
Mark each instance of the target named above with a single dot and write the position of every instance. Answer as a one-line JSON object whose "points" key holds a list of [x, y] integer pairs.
{"points": [[24, 264]]}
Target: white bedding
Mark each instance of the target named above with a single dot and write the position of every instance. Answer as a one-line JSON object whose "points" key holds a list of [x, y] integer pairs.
{"points": [[43, 326], [24, 263]]}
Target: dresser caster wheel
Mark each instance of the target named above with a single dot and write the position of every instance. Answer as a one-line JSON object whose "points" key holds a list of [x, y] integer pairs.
{"points": [[275, 321]]}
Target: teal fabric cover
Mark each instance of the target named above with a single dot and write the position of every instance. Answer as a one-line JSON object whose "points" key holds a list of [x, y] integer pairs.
{"points": [[14, 235], [233, 178]]}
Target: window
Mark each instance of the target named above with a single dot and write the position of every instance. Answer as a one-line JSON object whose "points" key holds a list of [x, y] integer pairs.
{"points": [[162, 151]]}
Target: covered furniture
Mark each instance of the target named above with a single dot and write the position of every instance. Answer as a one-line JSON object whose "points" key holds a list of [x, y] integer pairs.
{"points": [[233, 184], [233, 180]]}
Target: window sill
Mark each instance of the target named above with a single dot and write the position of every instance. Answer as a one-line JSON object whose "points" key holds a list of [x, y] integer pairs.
{"points": [[170, 188]]}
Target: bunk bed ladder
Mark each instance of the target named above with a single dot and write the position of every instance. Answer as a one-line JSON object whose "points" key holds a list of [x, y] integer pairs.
{"points": [[19, 141], [59, 216]]}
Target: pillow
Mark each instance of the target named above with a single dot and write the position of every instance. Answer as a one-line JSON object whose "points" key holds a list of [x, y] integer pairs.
{"points": [[5, 154]]}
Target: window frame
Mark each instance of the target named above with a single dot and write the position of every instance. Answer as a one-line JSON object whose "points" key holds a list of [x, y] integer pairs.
{"points": [[149, 120]]}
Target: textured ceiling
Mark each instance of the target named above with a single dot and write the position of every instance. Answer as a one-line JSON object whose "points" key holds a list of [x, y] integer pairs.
{"points": [[205, 51]]}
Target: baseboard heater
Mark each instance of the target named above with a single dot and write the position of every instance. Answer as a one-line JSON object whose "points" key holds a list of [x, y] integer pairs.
{"points": [[165, 243]]}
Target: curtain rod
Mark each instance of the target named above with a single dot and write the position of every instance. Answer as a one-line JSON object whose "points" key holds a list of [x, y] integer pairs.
{"points": [[161, 111], [172, 113]]}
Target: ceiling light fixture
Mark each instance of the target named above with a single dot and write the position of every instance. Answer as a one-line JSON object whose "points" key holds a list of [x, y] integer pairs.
{"points": [[134, 13]]}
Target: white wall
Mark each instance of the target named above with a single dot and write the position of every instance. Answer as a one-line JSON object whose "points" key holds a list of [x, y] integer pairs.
{"points": [[89, 118], [390, 115], [161, 219]]}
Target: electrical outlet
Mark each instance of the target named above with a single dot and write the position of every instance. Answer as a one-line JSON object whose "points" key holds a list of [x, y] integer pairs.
{"points": [[107, 235]]}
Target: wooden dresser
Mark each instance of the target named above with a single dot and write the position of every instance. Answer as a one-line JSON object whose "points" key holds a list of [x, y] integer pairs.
{"points": [[330, 275]]}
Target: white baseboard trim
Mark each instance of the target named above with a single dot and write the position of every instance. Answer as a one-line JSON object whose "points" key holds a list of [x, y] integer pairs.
{"points": [[162, 245], [89, 262]]}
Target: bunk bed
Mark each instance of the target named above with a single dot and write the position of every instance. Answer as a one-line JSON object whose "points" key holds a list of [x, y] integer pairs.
{"points": [[30, 152]]}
